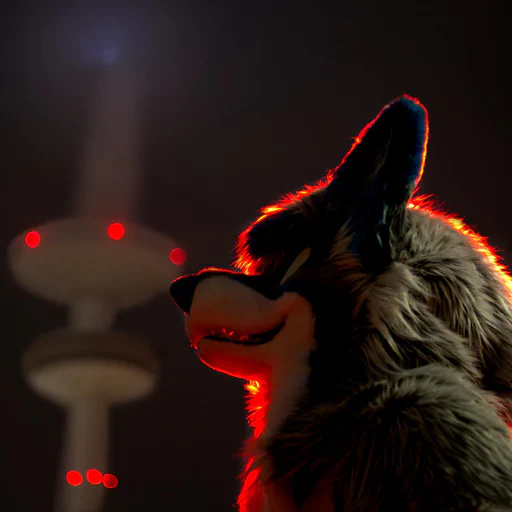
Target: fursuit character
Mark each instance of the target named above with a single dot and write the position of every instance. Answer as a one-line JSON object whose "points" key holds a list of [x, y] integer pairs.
{"points": [[375, 336]]}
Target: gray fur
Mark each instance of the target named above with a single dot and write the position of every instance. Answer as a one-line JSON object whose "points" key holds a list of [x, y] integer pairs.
{"points": [[427, 430], [409, 389]]}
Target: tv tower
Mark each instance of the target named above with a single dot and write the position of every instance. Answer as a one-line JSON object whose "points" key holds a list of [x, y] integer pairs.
{"points": [[96, 263]]}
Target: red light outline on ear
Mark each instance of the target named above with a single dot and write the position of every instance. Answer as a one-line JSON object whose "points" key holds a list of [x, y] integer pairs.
{"points": [[245, 262]]}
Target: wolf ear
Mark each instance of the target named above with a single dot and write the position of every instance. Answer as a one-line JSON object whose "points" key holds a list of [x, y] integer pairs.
{"points": [[379, 174]]}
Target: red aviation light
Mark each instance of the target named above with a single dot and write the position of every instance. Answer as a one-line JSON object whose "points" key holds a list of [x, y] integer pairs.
{"points": [[110, 481], [94, 476], [116, 231], [178, 256], [74, 478], [32, 239]]}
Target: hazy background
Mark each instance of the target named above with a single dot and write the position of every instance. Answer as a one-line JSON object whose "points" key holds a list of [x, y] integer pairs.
{"points": [[242, 103]]}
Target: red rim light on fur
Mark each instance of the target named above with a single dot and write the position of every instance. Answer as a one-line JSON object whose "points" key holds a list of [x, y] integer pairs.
{"points": [[256, 406], [251, 491], [256, 401], [427, 205], [245, 262], [479, 243], [256, 396]]}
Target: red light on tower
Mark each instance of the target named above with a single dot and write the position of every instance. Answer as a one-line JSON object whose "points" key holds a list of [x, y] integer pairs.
{"points": [[116, 231], [32, 239], [74, 478], [110, 481], [94, 476], [178, 256]]}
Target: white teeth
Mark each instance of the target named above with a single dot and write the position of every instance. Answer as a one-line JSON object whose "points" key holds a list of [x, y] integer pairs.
{"points": [[228, 335]]}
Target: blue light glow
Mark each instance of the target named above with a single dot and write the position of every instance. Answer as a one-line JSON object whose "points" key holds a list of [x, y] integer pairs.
{"points": [[110, 56]]}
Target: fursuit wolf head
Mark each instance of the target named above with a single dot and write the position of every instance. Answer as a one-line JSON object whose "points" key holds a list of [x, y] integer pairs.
{"points": [[360, 314]]}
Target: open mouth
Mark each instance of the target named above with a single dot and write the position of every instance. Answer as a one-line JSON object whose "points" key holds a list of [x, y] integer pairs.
{"points": [[227, 336]]}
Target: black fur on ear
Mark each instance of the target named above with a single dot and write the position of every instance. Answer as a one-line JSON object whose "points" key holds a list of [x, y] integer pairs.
{"points": [[374, 180], [283, 228], [275, 232], [379, 174]]}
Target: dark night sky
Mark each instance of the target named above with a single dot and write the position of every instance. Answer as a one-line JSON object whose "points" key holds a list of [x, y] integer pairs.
{"points": [[242, 104]]}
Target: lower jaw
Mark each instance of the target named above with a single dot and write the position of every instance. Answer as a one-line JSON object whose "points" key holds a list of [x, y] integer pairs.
{"points": [[240, 361], [254, 343], [258, 340]]}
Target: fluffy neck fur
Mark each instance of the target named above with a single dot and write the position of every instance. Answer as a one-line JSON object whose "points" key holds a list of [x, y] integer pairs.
{"points": [[269, 403], [440, 266]]}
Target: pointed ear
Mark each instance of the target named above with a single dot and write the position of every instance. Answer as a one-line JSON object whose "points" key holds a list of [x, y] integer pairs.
{"points": [[379, 174]]}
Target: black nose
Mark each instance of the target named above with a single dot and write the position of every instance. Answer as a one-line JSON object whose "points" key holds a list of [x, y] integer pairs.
{"points": [[182, 291]]}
